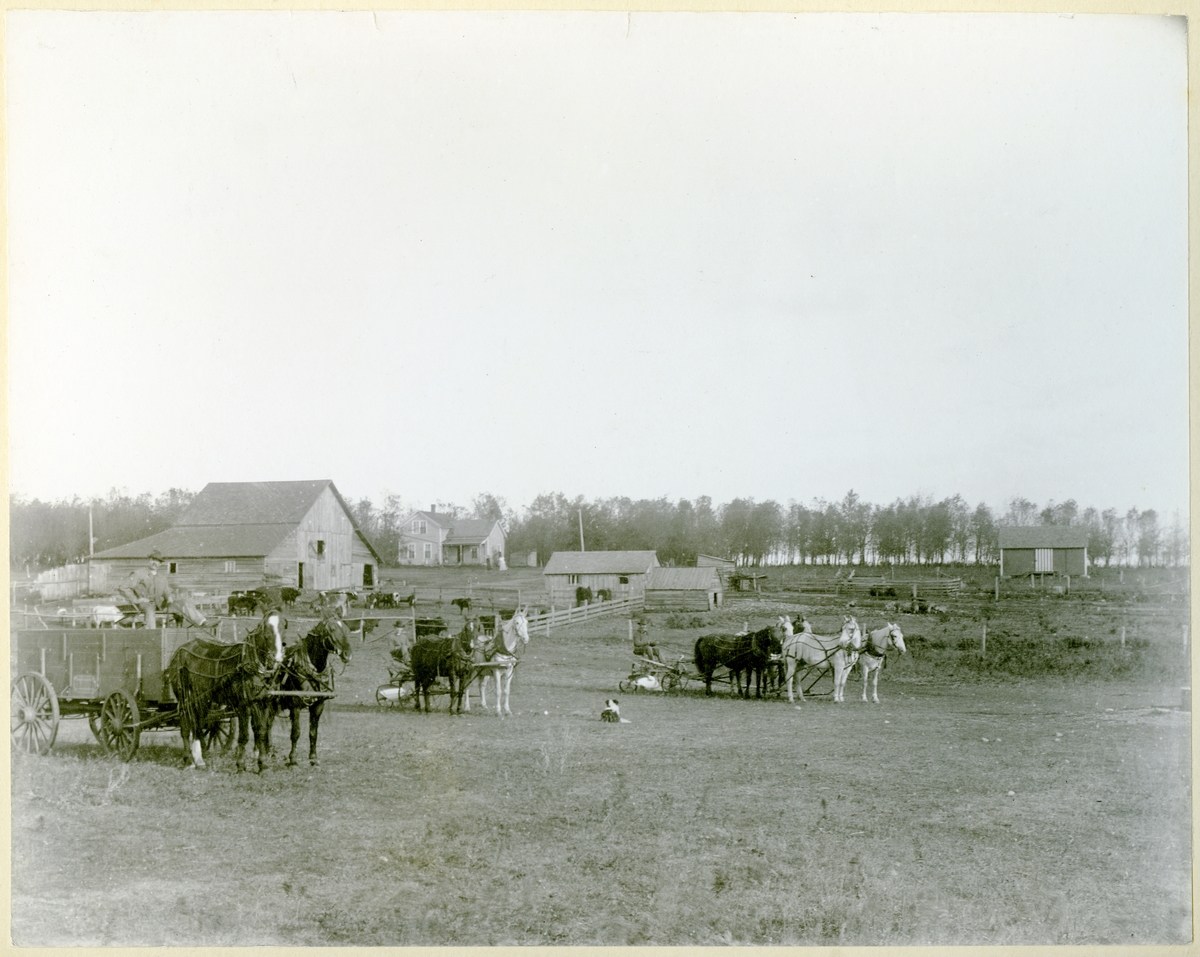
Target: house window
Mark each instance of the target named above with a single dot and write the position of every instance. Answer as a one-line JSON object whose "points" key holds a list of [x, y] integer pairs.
{"points": [[623, 579], [475, 551], [419, 527], [572, 579], [231, 566], [1043, 559], [428, 550], [171, 568], [412, 551]]}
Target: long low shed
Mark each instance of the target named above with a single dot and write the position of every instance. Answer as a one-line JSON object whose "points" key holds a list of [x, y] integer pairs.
{"points": [[683, 589], [1043, 550]]}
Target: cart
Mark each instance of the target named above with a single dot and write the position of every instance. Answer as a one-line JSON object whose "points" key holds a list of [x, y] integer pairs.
{"points": [[672, 677], [113, 677]]}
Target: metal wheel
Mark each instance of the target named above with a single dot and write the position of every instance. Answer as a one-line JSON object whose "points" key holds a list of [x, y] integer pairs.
{"points": [[34, 711], [627, 685], [674, 682], [119, 729]]}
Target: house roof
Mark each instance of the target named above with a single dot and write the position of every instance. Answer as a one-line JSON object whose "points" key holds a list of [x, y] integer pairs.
{"points": [[237, 520], [692, 579], [441, 519], [713, 561], [1042, 536], [470, 531], [601, 563]]}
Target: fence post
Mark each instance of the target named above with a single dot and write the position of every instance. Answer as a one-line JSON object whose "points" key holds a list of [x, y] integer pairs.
{"points": [[1122, 637], [549, 620], [983, 647], [997, 588]]}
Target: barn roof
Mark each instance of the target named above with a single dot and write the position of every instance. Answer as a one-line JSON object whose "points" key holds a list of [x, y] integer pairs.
{"points": [[703, 578], [712, 561], [601, 563], [1042, 536], [470, 531], [237, 519], [205, 541]]}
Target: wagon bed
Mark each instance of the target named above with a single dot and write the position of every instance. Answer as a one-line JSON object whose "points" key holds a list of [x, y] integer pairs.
{"points": [[111, 676]]}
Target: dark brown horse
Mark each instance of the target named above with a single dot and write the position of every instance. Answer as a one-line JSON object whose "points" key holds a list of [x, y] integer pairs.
{"points": [[451, 658], [748, 653], [306, 667], [208, 677]]}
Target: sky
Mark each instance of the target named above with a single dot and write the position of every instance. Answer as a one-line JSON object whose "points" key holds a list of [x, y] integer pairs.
{"points": [[436, 254]]}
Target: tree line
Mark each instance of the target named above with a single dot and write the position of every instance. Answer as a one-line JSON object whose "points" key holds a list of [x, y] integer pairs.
{"points": [[912, 530]]}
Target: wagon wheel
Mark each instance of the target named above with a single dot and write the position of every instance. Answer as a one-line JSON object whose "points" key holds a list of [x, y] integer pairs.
{"points": [[119, 729], [627, 685], [94, 723], [34, 711], [675, 682], [220, 736]]}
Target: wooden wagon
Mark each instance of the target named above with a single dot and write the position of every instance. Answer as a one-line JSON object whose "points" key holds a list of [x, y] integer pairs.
{"points": [[113, 677]]}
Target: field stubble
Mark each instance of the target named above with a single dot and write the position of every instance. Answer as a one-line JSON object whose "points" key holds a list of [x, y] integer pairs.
{"points": [[702, 821]]}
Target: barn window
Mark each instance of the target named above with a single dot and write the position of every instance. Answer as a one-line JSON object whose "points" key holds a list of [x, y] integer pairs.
{"points": [[320, 548], [572, 579], [623, 579], [1043, 559], [231, 566], [368, 576], [171, 568]]}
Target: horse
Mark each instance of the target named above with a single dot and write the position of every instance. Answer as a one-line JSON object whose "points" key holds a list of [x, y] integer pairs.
{"points": [[462, 604], [747, 652], [823, 653], [306, 667], [502, 650], [453, 658], [207, 674], [874, 654]]}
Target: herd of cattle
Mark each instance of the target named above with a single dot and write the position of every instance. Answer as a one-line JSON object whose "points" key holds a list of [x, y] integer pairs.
{"points": [[257, 600]]}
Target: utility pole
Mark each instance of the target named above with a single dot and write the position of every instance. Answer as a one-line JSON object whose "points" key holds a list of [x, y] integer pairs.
{"points": [[581, 548]]}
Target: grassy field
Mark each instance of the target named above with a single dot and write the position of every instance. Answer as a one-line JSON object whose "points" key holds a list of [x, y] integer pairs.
{"points": [[1036, 795]]}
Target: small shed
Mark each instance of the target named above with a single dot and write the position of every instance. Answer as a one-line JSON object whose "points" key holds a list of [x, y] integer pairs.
{"points": [[684, 589], [747, 579], [621, 574], [1043, 550], [724, 566]]}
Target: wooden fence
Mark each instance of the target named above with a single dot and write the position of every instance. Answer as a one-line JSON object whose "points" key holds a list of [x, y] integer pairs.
{"points": [[585, 612]]}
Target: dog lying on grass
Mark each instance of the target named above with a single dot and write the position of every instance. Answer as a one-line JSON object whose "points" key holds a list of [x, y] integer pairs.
{"points": [[612, 712]]}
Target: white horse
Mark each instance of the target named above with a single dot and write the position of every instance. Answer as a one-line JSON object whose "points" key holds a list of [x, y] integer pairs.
{"points": [[836, 653], [500, 657], [872, 656]]}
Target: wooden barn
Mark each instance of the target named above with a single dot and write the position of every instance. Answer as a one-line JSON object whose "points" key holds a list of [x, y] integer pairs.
{"points": [[622, 574], [1043, 549], [236, 534], [684, 589]]}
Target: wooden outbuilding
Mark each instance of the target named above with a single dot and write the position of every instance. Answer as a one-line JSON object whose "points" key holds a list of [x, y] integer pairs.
{"points": [[724, 566], [237, 535], [1043, 550], [621, 574], [684, 589]]}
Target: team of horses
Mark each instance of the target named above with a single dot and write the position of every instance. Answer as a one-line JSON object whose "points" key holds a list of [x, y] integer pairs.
{"points": [[780, 653], [247, 682]]}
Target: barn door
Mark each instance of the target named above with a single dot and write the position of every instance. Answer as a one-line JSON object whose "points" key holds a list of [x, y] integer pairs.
{"points": [[1043, 560], [300, 575]]}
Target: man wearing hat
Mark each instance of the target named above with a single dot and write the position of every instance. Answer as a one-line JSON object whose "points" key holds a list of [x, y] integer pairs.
{"points": [[149, 589]]}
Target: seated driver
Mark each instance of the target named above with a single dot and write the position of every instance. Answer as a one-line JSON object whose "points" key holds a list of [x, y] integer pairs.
{"points": [[642, 645]]}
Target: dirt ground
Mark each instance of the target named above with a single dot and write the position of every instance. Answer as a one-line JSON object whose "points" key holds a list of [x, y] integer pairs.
{"points": [[991, 810]]}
